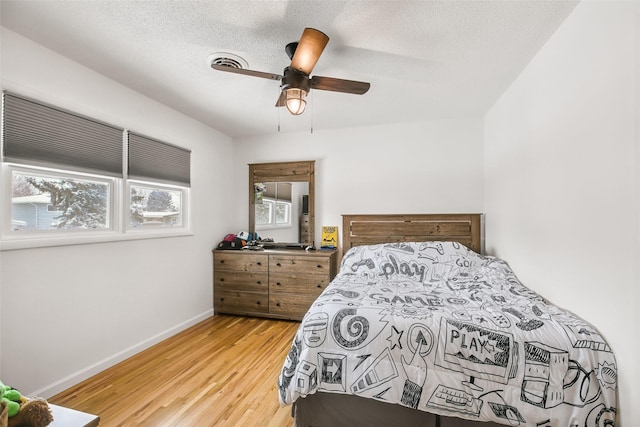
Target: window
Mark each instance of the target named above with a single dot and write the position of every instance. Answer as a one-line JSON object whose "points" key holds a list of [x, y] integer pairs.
{"points": [[273, 205], [283, 214], [153, 205], [43, 200], [264, 214], [69, 175], [273, 213], [159, 177]]}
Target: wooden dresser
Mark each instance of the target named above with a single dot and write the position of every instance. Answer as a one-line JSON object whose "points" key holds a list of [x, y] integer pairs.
{"points": [[270, 283]]}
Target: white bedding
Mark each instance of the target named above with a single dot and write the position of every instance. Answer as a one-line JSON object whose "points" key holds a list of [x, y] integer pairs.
{"points": [[436, 327]]}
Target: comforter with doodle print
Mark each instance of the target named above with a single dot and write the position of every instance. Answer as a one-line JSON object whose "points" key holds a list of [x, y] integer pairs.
{"points": [[436, 327]]}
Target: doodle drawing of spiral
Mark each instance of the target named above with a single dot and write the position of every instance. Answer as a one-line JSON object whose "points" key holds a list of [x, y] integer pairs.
{"points": [[357, 328]]}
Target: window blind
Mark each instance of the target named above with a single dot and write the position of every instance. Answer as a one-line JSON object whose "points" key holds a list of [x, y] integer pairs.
{"points": [[42, 135], [157, 160], [278, 190]]}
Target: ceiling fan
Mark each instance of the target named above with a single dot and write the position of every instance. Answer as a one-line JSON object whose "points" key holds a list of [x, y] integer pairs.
{"points": [[296, 82]]}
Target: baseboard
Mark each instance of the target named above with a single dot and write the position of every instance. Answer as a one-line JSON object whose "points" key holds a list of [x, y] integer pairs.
{"points": [[73, 379]]}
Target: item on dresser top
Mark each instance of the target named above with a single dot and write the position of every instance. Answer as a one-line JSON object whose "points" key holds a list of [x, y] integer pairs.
{"points": [[253, 245], [282, 245], [245, 235], [232, 242], [329, 237]]}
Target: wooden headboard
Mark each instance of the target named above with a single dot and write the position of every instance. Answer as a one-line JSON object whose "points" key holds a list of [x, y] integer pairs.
{"points": [[360, 230]]}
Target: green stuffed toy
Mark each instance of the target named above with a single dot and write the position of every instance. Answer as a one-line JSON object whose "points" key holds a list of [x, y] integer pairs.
{"points": [[12, 398], [23, 412]]}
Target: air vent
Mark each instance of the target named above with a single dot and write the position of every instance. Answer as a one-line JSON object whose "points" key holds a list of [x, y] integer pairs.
{"points": [[227, 59], [229, 62]]}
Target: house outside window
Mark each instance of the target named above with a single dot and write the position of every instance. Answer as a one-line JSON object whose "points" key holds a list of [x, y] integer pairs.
{"points": [[155, 205], [46, 201]]}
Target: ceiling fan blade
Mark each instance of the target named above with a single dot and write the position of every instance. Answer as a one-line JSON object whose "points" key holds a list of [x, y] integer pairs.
{"points": [[281, 102], [308, 51], [246, 72], [339, 85]]}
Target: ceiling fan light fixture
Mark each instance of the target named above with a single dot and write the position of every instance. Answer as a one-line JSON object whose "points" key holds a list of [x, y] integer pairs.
{"points": [[295, 100]]}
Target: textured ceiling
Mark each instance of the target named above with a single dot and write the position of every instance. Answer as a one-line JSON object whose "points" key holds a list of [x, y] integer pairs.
{"points": [[424, 59]]}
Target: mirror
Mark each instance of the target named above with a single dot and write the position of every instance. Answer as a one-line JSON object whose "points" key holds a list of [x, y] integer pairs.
{"points": [[281, 201], [279, 210]]}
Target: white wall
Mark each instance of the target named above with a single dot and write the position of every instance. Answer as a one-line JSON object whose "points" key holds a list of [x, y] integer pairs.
{"points": [[429, 167], [69, 312], [561, 178]]}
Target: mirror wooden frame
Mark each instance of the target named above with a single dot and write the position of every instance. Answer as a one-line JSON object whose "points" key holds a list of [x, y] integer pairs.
{"points": [[301, 171]]}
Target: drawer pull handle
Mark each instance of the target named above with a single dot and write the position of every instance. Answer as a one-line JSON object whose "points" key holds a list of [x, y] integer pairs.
{"points": [[259, 282], [258, 302], [221, 299], [318, 286], [278, 304], [278, 264], [319, 266], [259, 263], [278, 284], [221, 261], [222, 279]]}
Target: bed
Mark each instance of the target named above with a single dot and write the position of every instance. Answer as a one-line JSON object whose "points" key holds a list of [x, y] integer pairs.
{"points": [[418, 325]]}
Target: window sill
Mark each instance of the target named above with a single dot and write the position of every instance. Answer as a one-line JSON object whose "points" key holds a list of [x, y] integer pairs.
{"points": [[24, 242]]}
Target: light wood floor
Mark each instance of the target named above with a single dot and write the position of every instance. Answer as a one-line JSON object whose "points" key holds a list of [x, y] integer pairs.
{"points": [[220, 372]]}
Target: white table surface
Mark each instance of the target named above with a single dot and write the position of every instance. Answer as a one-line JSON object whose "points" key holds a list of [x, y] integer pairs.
{"points": [[67, 417]]}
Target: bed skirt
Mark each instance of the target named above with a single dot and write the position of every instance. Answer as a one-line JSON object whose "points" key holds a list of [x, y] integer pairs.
{"points": [[344, 410]]}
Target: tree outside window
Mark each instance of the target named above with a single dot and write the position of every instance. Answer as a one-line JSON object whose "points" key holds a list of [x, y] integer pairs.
{"points": [[42, 202], [154, 206]]}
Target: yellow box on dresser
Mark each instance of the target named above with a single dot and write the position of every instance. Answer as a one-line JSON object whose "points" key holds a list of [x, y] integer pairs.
{"points": [[270, 283]]}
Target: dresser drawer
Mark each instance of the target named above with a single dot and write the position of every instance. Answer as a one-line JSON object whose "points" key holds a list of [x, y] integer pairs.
{"points": [[253, 263], [292, 305], [241, 281], [302, 284], [292, 264], [241, 302]]}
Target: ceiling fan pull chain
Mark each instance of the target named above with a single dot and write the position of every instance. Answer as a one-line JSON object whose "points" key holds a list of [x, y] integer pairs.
{"points": [[278, 109]]}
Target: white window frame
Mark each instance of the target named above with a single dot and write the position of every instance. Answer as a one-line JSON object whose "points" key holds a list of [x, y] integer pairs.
{"points": [[272, 225], [289, 211], [27, 238], [118, 214], [152, 229]]}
